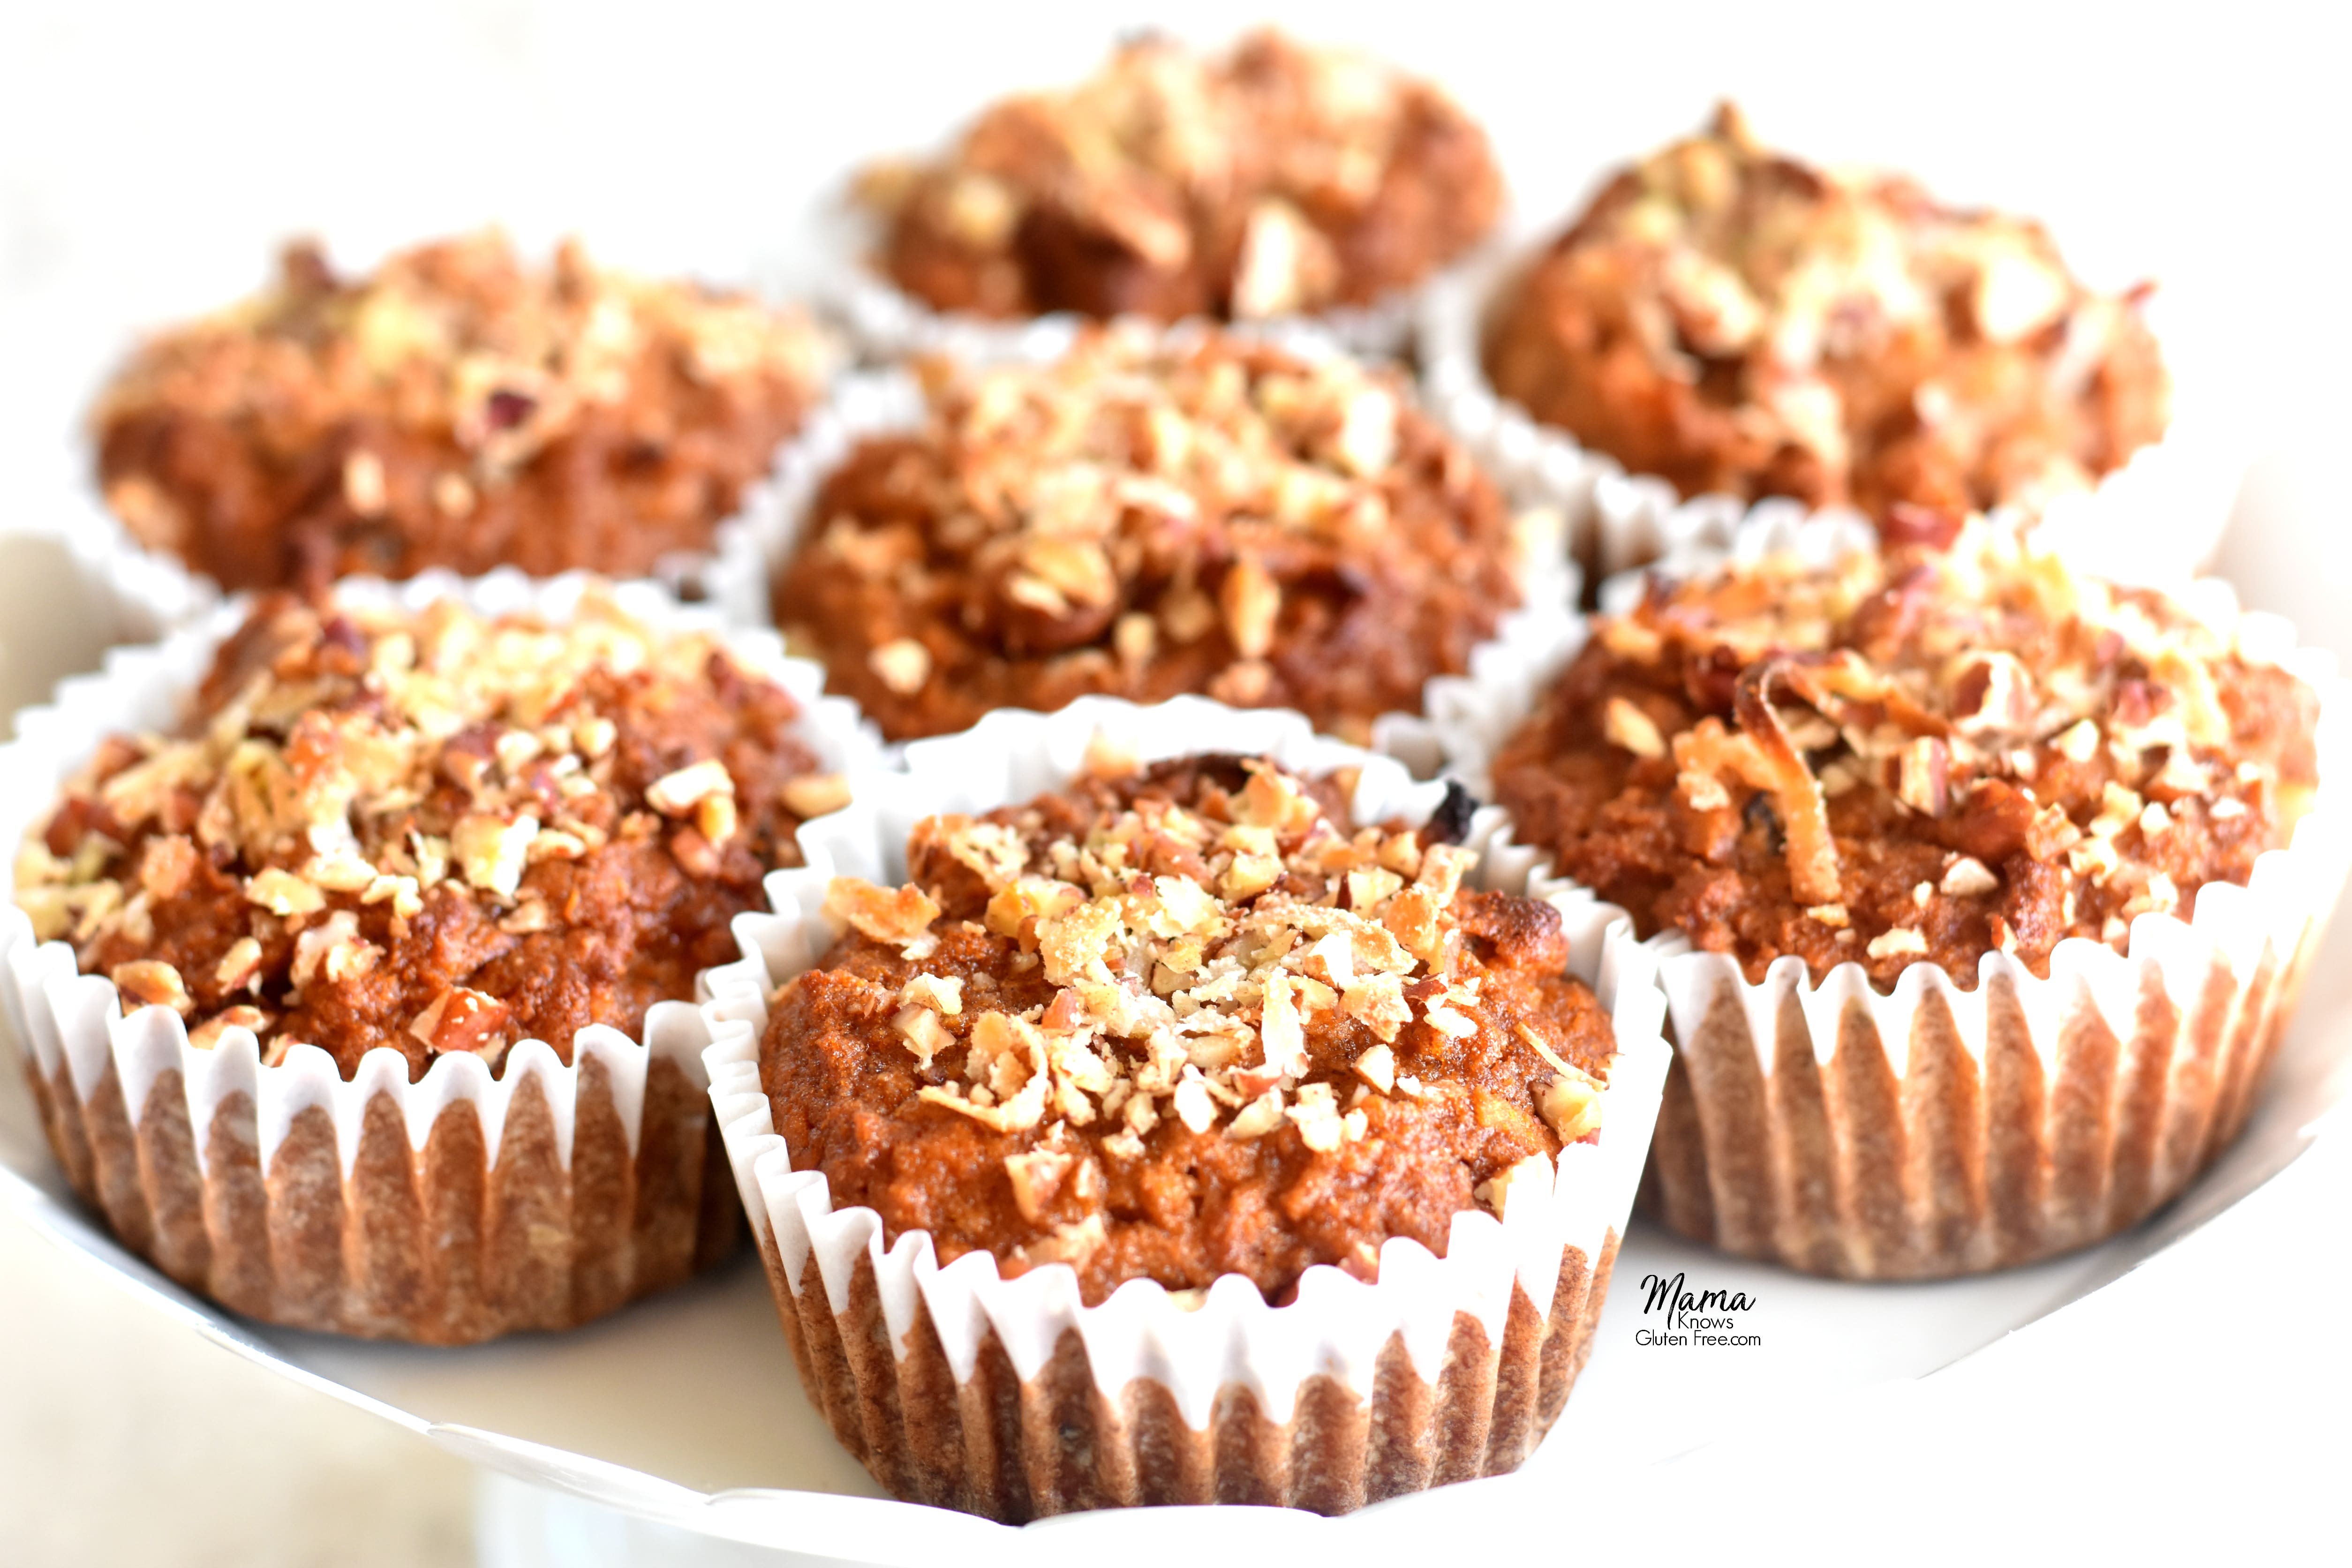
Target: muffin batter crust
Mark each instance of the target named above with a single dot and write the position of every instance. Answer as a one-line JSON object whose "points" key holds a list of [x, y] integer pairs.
{"points": [[1919, 756], [1179, 1023], [455, 409], [431, 832], [1148, 520], [1736, 321]]}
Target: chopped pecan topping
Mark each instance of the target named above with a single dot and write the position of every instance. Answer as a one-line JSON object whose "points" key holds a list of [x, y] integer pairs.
{"points": [[368, 807], [463, 1020], [1273, 179], [1571, 1104], [431, 390], [1900, 747], [886, 914], [679, 794], [206, 1035], [1191, 951], [1093, 1053], [1148, 516], [815, 795], [1736, 321], [1628, 726], [902, 664], [150, 983]]}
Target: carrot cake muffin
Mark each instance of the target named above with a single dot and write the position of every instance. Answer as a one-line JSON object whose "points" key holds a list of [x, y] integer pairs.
{"points": [[460, 838], [455, 409], [1919, 756], [1734, 321], [1277, 179], [431, 832], [1182, 1023], [1145, 518]]}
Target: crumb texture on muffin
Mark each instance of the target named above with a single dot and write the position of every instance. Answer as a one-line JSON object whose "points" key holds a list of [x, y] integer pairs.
{"points": [[432, 831], [1181, 1023], [1923, 755], [456, 407], [1146, 519], [1273, 179], [1734, 321]]}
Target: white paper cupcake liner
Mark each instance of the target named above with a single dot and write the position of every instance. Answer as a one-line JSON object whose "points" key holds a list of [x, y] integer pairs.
{"points": [[755, 548], [1011, 1398], [141, 596], [2158, 518], [1939, 1130], [449, 1210], [751, 547]]}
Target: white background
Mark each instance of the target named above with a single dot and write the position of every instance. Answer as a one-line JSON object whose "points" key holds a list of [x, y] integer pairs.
{"points": [[152, 157]]}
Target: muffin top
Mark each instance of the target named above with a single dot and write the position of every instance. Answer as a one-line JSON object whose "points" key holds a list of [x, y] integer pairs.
{"points": [[1927, 754], [1181, 1023], [1147, 517], [432, 831], [1736, 321], [1276, 178], [453, 408]]}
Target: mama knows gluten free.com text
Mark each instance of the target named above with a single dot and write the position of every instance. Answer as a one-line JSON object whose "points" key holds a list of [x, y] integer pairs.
{"points": [[1692, 1318]]}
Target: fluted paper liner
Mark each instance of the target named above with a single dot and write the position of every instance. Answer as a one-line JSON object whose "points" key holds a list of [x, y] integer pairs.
{"points": [[1946, 1128], [753, 548], [2158, 517], [142, 596], [1013, 1399], [446, 1211]]}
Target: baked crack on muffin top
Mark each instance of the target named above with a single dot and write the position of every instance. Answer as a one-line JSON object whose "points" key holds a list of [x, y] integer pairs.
{"points": [[1148, 519], [432, 831], [453, 408], [1923, 755], [1180, 1023], [1274, 179], [1736, 321]]}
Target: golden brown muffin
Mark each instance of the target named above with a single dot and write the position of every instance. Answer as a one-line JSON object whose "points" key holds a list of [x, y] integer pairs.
{"points": [[1145, 520], [434, 831], [453, 408], [1736, 321], [1274, 179], [405, 922], [1923, 755], [1181, 1024]]}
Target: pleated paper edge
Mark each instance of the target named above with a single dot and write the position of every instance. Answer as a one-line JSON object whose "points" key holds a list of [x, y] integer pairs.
{"points": [[2282, 910], [1338, 1326], [72, 1031]]}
